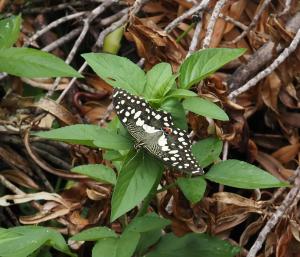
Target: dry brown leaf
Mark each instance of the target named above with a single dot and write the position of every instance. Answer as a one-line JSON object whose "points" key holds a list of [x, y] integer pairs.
{"points": [[287, 153]]}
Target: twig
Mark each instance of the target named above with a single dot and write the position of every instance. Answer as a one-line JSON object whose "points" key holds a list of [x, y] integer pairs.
{"points": [[253, 22], [200, 7], [10, 186], [86, 25], [287, 202], [280, 59], [195, 38], [287, 7], [99, 42], [225, 151], [109, 20], [212, 22], [53, 8], [62, 40], [110, 29], [53, 25], [233, 21]]}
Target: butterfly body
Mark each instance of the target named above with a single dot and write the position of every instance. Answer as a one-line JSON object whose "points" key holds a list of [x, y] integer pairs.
{"points": [[154, 130]]}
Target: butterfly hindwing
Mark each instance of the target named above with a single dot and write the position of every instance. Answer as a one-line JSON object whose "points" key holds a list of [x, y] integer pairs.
{"points": [[154, 130]]}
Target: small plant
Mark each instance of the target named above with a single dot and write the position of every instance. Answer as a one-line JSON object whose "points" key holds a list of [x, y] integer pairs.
{"points": [[139, 173]]}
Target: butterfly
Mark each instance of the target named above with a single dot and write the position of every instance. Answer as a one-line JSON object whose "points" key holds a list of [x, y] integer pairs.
{"points": [[154, 130]]}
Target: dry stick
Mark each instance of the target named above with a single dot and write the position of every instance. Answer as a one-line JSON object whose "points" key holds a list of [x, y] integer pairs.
{"points": [[253, 22], [287, 7], [200, 7], [62, 40], [280, 59], [114, 17], [195, 39], [288, 200], [87, 21], [111, 28], [233, 21], [135, 8], [52, 25], [212, 22]]}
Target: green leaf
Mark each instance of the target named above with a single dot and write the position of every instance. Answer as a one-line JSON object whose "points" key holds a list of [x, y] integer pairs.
{"points": [[9, 31], [192, 245], [106, 247], [207, 150], [135, 181], [159, 81], [32, 63], [93, 234], [181, 93], [97, 172], [128, 243], [241, 174], [89, 135], [203, 63], [147, 240], [124, 246], [148, 222], [205, 108], [175, 108], [117, 71], [192, 188], [31, 238], [112, 42]]}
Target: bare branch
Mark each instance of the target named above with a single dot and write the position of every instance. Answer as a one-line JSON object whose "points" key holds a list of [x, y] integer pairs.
{"points": [[280, 59], [212, 22], [200, 7], [253, 22], [287, 202]]}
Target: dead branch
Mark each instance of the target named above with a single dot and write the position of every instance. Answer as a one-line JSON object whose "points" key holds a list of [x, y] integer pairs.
{"points": [[287, 202], [253, 22], [212, 22], [280, 59]]}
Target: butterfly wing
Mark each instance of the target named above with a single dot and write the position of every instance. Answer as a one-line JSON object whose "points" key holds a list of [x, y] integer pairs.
{"points": [[147, 126]]}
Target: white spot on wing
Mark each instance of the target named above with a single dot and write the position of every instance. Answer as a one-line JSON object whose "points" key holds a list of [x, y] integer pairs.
{"points": [[162, 140], [173, 151], [127, 114], [122, 102], [137, 114], [124, 120], [140, 122], [165, 148], [180, 139], [157, 117]]}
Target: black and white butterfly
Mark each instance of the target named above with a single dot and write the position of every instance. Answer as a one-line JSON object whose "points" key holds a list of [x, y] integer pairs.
{"points": [[154, 130]]}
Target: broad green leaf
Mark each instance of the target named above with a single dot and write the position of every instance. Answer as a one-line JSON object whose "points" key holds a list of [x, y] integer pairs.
{"points": [[147, 223], [181, 93], [175, 108], [203, 63], [94, 234], [32, 238], [124, 246], [112, 42], [97, 172], [117, 71], [192, 188], [159, 81], [90, 135], [9, 31], [147, 240], [127, 243], [135, 181], [241, 174], [32, 63], [205, 108], [192, 245], [207, 150], [106, 247]]}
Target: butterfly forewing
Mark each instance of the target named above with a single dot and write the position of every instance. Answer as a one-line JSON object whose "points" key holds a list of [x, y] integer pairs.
{"points": [[154, 130]]}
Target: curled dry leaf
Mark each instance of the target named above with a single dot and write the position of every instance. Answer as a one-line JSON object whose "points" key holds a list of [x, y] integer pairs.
{"points": [[8, 200], [154, 44]]}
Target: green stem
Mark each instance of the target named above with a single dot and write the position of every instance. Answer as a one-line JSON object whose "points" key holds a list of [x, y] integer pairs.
{"points": [[184, 33]]}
